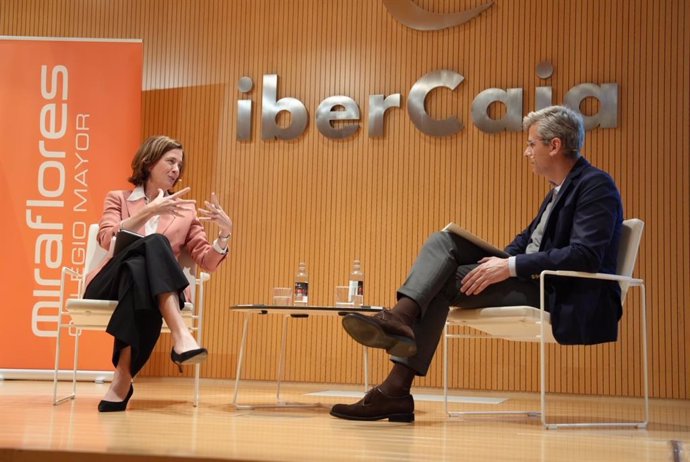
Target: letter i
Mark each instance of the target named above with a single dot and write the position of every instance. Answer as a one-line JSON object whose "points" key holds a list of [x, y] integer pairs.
{"points": [[543, 96], [244, 110]]}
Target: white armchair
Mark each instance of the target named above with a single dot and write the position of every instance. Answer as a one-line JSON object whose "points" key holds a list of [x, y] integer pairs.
{"points": [[531, 324], [80, 314]]}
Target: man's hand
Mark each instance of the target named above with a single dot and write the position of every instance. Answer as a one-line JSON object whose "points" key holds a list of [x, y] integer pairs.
{"points": [[490, 271]]}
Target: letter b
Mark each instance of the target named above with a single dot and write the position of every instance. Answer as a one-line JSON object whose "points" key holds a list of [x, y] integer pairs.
{"points": [[270, 107]]}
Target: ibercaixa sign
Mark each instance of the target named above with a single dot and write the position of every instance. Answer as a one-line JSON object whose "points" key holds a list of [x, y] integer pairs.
{"points": [[346, 111]]}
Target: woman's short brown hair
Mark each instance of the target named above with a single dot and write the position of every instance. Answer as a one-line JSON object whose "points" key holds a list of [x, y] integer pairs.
{"points": [[149, 153]]}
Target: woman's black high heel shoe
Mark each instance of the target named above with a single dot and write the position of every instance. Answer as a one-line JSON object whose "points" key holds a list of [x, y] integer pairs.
{"points": [[188, 357], [116, 406]]}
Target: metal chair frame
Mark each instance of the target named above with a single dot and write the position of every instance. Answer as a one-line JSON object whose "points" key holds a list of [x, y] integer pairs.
{"points": [[466, 318], [78, 314]]}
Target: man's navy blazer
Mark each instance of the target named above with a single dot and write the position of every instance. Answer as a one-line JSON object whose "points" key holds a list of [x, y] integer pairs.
{"points": [[582, 234]]}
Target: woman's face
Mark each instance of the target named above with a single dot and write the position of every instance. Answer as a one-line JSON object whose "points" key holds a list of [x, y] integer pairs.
{"points": [[166, 171]]}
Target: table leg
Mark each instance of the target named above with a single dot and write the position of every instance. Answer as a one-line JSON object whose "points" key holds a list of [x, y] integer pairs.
{"points": [[281, 358], [240, 358], [280, 372]]}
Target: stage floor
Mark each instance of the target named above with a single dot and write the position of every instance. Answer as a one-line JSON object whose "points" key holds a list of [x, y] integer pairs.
{"points": [[161, 421]]}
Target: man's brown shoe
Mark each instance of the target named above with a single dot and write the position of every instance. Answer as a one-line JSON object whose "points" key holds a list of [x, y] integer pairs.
{"points": [[376, 405], [383, 330]]}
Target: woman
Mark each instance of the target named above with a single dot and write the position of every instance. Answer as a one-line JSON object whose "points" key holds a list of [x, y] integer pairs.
{"points": [[146, 277]]}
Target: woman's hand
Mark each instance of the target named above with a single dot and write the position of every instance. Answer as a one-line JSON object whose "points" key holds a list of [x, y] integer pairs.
{"points": [[214, 212], [171, 204]]}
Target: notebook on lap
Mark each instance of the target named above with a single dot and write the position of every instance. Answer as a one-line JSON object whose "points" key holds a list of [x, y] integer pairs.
{"points": [[124, 239], [476, 240]]}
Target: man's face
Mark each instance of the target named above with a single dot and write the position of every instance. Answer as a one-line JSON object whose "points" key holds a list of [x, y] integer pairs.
{"points": [[539, 152]]}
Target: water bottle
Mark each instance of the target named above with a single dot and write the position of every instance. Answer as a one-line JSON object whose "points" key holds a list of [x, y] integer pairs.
{"points": [[356, 284], [302, 285]]}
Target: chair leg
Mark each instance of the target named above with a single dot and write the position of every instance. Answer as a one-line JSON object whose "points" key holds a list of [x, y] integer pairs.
{"points": [[57, 360], [542, 384], [76, 361], [365, 352], [199, 334], [449, 413], [645, 380], [445, 369], [197, 372], [58, 351], [542, 356]]}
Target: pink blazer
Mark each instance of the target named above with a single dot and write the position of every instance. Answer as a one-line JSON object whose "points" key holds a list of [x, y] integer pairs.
{"points": [[185, 231]]}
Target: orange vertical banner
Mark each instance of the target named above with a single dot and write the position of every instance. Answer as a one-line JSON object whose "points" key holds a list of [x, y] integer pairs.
{"points": [[70, 120]]}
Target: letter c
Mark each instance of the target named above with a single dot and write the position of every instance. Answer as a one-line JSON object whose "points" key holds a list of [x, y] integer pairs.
{"points": [[417, 97]]}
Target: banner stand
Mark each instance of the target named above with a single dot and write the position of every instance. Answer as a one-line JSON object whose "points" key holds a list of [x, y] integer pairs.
{"points": [[69, 127], [42, 374]]}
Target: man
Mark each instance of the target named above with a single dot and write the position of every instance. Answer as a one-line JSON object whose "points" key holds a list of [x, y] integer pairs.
{"points": [[577, 228]]}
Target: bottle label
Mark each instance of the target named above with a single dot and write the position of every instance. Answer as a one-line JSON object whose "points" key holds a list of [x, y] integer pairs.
{"points": [[301, 292], [356, 288]]}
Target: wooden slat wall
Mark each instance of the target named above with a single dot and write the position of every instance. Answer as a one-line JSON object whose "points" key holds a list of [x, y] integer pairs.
{"points": [[327, 202]]}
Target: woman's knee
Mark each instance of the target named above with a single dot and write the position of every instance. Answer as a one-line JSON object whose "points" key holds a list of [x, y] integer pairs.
{"points": [[158, 239], [160, 243]]}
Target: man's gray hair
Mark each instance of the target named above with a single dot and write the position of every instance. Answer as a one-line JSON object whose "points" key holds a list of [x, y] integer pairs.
{"points": [[558, 122]]}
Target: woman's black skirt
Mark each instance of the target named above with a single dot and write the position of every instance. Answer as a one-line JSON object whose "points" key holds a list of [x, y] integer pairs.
{"points": [[135, 277]]}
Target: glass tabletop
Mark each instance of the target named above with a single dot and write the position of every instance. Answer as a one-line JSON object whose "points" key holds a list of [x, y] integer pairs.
{"points": [[308, 309]]}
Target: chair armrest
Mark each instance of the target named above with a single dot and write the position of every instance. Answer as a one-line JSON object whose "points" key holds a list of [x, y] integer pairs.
{"points": [[63, 276], [203, 277], [585, 275], [63, 283], [66, 270]]}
